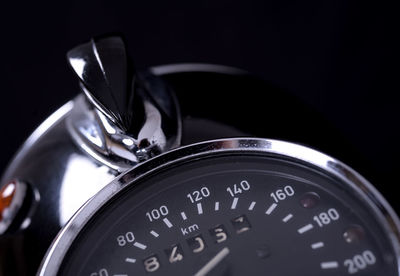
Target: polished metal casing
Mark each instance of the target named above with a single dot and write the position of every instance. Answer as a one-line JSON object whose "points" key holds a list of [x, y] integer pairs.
{"points": [[381, 210], [64, 170], [56, 159], [125, 116], [65, 173]]}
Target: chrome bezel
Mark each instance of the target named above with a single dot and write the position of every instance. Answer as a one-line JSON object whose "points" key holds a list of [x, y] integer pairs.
{"points": [[383, 212]]}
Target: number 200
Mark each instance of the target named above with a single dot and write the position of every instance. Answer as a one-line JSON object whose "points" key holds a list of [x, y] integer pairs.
{"points": [[360, 261]]}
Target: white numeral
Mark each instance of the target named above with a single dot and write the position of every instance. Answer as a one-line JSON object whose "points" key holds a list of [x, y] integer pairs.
{"points": [[282, 194], [238, 189], [124, 239], [102, 272], [151, 264], [157, 213], [360, 262], [198, 195], [175, 255], [325, 218]]}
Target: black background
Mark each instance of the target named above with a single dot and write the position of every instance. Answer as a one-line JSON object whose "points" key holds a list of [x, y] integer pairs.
{"points": [[339, 58]]}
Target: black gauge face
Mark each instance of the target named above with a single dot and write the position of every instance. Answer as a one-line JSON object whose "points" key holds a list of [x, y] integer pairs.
{"points": [[234, 215]]}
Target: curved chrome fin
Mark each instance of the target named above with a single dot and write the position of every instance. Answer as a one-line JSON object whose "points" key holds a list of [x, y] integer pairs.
{"points": [[102, 67], [116, 127]]}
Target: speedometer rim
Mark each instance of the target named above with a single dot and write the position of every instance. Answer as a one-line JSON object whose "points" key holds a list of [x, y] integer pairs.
{"points": [[60, 246]]}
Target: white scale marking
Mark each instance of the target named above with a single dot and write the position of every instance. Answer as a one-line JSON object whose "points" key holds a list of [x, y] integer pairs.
{"points": [[183, 215], [329, 265], [305, 228], [287, 218], [271, 208], [234, 203], [199, 208], [167, 222], [154, 233], [251, 207], [130, 260], [216, 206], [317, 245], [120, 275], [140, 245]]}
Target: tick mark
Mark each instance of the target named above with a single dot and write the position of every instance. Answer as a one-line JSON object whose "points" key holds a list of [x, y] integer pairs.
{"points": [[271, 208], [317, 245], [251, 207], [329, 265], [234, 203], [140, 245], [305, 228], [183, 215], [130, 260], [199, 208], [287, 218], [154, 233], [216, 206], [167, 222]]}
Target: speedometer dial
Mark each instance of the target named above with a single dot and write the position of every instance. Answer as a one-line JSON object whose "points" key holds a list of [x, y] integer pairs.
{"points": [[234, 207]]}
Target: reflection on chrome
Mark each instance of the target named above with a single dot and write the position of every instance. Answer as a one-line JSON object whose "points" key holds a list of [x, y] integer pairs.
{"points": [[304, 153], [81, 181], [79, 65]]}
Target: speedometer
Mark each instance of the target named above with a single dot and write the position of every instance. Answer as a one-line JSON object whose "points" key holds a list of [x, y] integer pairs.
{"points": [[232, 207], [121, 182]]}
